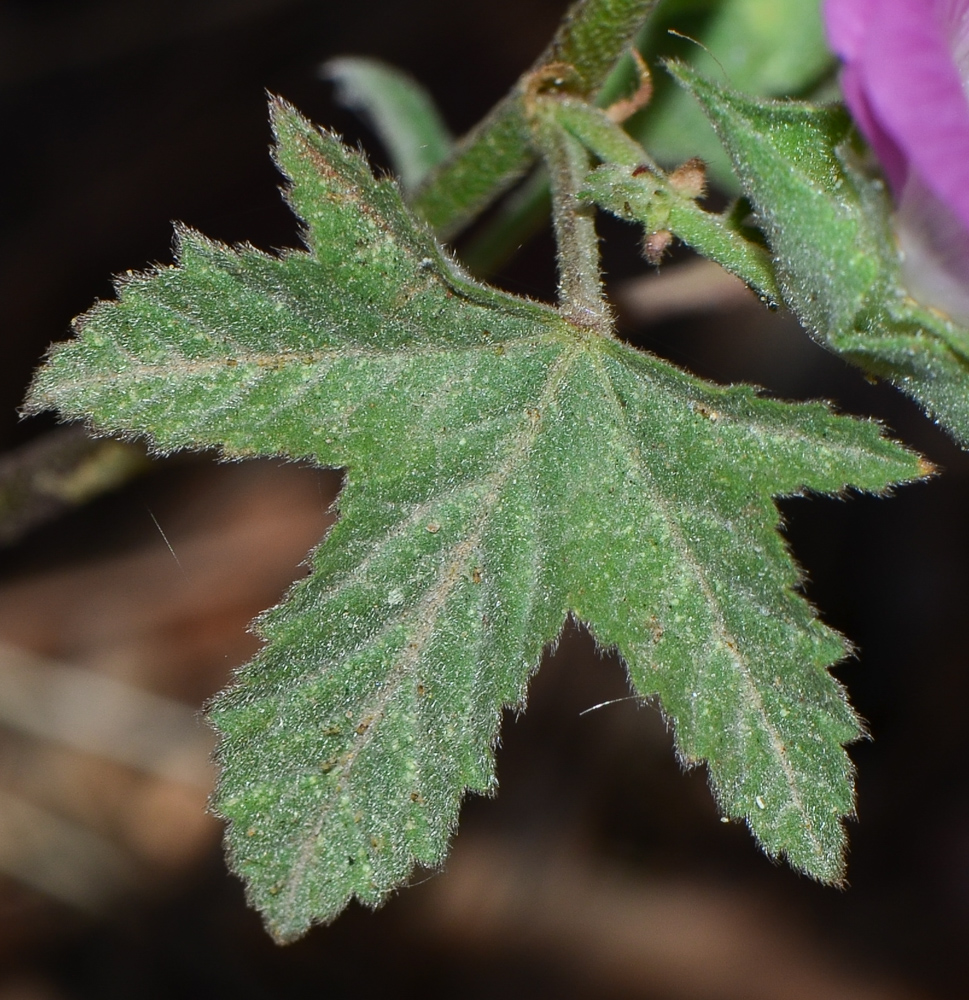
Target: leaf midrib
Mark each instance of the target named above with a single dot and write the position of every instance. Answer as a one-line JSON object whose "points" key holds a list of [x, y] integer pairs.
{"points": [[427, 612]]}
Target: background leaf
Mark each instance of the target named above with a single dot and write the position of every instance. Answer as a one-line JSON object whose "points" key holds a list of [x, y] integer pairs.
{"points": [[400, 111]]}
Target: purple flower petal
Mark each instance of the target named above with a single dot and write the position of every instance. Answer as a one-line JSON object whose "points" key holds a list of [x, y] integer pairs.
{"points": [[934, 249], [847, 25], [957, 19], [915, 92], [906, 81], [890, 155]]}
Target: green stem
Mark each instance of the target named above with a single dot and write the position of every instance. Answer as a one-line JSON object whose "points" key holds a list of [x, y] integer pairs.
{"points": [[601, 135], [580, 292], [591, 39], [650, 195]]}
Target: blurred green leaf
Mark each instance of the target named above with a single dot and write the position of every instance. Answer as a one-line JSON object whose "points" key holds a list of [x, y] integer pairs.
{"points": [[400, 111]]}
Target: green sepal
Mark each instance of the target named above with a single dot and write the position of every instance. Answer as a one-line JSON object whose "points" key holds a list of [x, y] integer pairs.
{"points": [[829, 226]]}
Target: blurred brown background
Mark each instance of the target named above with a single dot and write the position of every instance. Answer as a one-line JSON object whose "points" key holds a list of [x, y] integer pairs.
{"points": [[600, 869]]}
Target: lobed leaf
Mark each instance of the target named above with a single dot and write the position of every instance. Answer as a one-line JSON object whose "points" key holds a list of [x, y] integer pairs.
{"points": [[505, 469]]}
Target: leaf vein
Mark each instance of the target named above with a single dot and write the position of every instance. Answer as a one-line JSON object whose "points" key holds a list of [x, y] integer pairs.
{"points": [[427, 612], [714, 604]]}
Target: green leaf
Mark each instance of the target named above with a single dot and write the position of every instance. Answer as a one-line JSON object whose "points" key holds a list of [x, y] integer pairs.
{"points": [[829, 226], [506, 468], [400, 111]]}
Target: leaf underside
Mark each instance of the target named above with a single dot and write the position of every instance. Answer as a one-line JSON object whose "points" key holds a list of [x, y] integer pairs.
{"points": [[829, 227], [505, 469]]}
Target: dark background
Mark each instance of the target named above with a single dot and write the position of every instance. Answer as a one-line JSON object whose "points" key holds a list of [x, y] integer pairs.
{"points": [[600, 869]]}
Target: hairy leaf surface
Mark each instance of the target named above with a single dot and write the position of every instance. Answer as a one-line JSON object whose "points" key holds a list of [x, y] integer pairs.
{"points": [[829, 227], [506, 468]]}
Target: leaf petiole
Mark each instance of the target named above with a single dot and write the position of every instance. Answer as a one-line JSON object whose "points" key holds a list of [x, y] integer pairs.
{"points": [[580, 292]]}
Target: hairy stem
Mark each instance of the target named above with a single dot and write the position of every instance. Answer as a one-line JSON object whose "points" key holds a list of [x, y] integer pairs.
{"points": [[592, 37], [602, 136], [580, 290], [638, 181]]}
